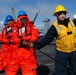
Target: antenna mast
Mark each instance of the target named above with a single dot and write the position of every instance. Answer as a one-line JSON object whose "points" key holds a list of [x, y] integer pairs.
{"points": [[13, 13]]}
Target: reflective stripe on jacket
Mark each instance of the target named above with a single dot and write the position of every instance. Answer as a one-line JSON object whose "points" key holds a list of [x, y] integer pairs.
{"points": [[65, 39]]}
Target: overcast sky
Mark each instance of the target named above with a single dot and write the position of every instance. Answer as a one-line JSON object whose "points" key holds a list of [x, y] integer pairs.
{"points": [[46, 8]]}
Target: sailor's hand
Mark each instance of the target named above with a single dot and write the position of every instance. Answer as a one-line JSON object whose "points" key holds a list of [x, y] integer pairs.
{"points": [[24, 43], [31, 44]]}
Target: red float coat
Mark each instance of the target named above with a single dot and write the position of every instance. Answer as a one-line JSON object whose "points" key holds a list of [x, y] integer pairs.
{"points": [[7, 47], [24, 57]]}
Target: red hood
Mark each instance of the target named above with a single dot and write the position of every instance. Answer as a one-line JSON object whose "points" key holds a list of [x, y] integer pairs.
{"points": [[28, 22]]}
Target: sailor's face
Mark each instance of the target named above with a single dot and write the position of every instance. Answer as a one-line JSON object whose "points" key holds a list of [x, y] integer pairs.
{"points": [[61, 16], [10, 22], [24, 20]]}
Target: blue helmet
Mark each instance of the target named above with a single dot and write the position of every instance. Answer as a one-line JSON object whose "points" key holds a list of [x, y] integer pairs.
{"points": [[22, 13], [5, 22], [9, 18]]}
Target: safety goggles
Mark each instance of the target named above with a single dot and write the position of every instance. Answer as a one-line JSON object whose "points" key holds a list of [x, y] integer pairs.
{"points": [[62, 12]]}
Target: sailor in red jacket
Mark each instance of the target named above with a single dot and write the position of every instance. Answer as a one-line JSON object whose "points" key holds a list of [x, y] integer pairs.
{"points": [[3, 47], [7, 46], [25, 56]]}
